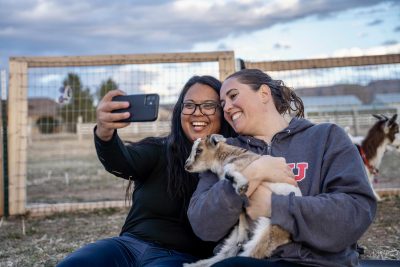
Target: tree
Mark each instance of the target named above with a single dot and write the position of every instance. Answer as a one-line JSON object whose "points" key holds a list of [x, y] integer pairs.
{"points": [[80, 104], [105, 87]]}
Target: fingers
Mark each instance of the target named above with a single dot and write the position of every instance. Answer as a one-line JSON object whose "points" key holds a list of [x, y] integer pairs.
{"points": [[279, 171], [109, 119], [114, 105], [115, 125], [252, 187], [112, 93], [107, 105], [105, 117], [260, 202], [290, 180]]}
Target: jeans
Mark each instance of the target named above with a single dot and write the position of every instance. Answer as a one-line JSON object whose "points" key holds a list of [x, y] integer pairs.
{"points": [[125, 250], [252, 262]]}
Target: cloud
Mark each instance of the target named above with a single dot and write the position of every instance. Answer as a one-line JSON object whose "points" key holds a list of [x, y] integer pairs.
{"points": [[390, 42], [377, 50], [375, 22], [50, 27], [397, 29], [281, 46], [362, 34]]}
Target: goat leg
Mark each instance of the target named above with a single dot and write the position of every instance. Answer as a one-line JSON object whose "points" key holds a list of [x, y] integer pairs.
{"points": [[265, 240]]}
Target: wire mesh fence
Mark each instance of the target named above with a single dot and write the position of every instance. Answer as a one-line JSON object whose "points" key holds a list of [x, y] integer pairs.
{"points": [[345, 91], [52, 161]]}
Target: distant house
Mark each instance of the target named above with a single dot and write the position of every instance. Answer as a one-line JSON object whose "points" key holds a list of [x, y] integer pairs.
{"points": [[392, 100], [43, 115], [346, 111], [329, 103], [41, 106]]}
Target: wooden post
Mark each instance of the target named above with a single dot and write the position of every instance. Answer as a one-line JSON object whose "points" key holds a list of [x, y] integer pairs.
{"points": [[323, 63], [17, 136], [355, 121], [227, 65], [2, 88], [79, 130]]}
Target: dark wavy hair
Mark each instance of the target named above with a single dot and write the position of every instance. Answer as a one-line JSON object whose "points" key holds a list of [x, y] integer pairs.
{"points": [[285, 99], [182, 184]]}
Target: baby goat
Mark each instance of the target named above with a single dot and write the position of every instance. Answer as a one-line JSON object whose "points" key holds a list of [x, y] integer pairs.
{"points": [[257, 240]]}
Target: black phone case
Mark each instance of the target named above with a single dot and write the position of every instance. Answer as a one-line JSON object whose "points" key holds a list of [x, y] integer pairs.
{"points": [[142, 107]]}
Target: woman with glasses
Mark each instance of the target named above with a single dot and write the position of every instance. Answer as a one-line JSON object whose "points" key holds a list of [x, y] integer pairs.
{"points": [[337, 205], [156, 231]]}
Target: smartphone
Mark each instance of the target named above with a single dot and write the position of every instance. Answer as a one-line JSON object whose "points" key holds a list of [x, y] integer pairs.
{"points": [[142, 107]]}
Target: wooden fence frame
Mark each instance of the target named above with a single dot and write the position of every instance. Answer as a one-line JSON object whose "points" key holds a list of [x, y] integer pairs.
{"points": [[18, 112], [323, 63]]}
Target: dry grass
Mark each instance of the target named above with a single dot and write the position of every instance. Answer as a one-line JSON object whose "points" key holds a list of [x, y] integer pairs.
{"points": [[45, 241], [382, 240], [64, 170]]}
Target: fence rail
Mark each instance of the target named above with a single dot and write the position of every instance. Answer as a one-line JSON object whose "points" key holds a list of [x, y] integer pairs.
{"points": [[320, 63], [157, 128]]}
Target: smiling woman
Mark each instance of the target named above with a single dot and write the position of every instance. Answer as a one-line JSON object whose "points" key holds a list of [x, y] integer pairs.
{"points": [[156, 231], [330, 175], [201, 114]]}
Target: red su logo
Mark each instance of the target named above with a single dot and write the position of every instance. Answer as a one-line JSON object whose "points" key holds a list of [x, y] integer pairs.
{"points": [[301, 168]]}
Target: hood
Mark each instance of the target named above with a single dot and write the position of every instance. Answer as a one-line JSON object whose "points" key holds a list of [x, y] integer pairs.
{"points": [[296, 125]]}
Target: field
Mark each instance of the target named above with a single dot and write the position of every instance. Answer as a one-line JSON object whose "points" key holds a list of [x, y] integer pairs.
{"points": [[45, 241], [67, 170]]}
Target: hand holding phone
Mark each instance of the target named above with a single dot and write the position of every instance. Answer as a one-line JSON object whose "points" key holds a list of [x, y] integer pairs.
{"points": [[142, 107]]}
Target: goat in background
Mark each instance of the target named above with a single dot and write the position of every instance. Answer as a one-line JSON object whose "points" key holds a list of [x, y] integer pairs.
{"points": [[383, 135], [248, 238]]}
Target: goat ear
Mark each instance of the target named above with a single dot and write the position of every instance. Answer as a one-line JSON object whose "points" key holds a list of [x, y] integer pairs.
{"points": [[393, 119], [377, 116], [380, 117], [216, 138]]}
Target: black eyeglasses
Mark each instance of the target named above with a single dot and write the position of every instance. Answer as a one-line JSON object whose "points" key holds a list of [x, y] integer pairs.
{"points": [[207, 108]]}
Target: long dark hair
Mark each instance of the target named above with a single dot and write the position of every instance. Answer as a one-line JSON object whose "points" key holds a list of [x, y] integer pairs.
{"points": [[180, 183], [285, 99]]}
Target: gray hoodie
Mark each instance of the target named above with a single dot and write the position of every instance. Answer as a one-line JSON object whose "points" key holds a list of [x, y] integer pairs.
{"points": [[336, 208]]}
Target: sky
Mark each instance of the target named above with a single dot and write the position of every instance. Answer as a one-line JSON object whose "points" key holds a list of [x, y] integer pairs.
{"points": [[254, 29]]}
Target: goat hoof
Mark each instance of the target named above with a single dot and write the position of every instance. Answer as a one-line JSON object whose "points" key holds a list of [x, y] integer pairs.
{"points": [[243, 189]]}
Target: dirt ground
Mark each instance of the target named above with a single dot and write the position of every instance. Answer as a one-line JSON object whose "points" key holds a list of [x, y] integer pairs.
{"points": [[72, 173], [44, 241]]}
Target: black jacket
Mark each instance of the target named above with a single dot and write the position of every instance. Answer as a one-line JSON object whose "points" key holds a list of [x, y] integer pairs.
{"points": [[154, 216]]}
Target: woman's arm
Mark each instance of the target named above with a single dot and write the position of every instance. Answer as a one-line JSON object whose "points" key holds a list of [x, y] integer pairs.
{"points": [[107, 122], [344, 209], [268, 169], [127, 161], [215, 207], [114, 156]]}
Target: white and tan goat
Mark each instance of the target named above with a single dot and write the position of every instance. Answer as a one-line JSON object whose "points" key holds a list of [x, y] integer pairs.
{"points": [[249, 238]]}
